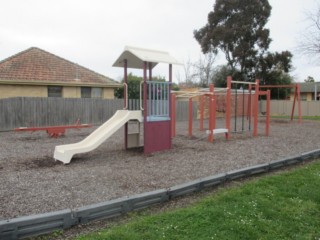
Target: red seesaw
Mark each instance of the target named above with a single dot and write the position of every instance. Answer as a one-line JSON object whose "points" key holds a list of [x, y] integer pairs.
{"points": [[54, 131]]}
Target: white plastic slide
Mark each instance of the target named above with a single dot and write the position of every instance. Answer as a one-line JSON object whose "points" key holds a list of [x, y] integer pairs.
{"points": [[64, 153]]}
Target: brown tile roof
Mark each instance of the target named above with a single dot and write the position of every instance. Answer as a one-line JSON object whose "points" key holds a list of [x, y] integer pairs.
{"points": [[36, 65]]}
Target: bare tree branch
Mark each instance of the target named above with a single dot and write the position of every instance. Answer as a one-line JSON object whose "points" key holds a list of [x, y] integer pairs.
{"points": [[204, 69], [309, 43]]}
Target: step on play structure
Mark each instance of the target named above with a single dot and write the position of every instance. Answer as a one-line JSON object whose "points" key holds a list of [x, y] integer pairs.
{"points": [[154, 113]]}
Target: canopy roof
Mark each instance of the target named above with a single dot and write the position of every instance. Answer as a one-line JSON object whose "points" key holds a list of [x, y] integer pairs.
{"points": [[137, 56]]}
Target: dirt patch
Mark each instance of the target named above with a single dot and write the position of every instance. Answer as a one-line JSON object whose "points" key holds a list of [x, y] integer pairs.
{"points": [[281, 121], [44, 162]]}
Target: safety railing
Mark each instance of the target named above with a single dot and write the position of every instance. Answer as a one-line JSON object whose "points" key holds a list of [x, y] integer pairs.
{"points": [[126, 97], [141, 84], [158, 101]]}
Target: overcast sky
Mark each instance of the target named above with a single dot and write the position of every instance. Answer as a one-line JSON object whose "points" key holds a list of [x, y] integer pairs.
{"points": [[93, 33]]}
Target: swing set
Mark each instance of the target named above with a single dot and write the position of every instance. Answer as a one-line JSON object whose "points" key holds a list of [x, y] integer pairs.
{"points": [[296, 98]]}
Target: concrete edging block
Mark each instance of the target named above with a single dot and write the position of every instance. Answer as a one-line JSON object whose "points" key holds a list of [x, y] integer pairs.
{"points": [[147, 199], [102, 210], [311, 154], [213, 180], [36, 224], [114, 208], [277, 164], [184, 189]]}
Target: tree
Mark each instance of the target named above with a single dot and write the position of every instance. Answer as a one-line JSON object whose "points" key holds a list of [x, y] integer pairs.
{"points": [[279, 78], [310, 41], [204, 69], [309, 80], [272, 64], [273, 69], [220, 74], [237, 29], [134, 86], [199, 73], [188, 77]]}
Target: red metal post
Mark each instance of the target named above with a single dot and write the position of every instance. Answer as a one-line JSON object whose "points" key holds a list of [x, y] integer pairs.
{"points": [[299, 103], [228, 106], [190, 117], [297, 98], [173, 115], [201, 112], [294, 101], [212, 110], [256, 109], [268, 113]]}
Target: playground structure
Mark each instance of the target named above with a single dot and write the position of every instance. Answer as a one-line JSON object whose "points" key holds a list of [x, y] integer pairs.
{"points": [[54, 131], [157, 113], [232, 102], [157, 109], [154, 112]]}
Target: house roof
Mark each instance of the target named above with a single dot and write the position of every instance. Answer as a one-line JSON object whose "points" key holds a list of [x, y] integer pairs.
{"points": [[137, 56], [34, 66], [309, 87]]}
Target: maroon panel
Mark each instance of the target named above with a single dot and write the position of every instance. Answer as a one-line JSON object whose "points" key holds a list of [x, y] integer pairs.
{"points": [[157, 136]]}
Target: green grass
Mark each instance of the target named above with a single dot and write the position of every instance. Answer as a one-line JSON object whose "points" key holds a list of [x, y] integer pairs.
{"points": [[317, 118], [281, 206]]}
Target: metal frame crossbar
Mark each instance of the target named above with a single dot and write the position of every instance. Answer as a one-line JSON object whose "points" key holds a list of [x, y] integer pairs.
{"points": [[240, 82]]}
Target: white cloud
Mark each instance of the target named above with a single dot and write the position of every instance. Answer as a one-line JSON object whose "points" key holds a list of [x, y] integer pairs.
{"points": [[94, 33]]}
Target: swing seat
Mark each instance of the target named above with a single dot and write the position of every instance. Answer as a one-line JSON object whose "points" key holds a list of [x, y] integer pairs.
{"points": [[218, 130]]}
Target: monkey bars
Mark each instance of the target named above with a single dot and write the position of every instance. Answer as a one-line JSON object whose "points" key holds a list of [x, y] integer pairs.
{"points": [[252, 110]]}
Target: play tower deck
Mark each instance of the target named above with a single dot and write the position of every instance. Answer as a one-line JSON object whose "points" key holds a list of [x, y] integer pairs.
{"points": [[154, 112], [155, 101]]}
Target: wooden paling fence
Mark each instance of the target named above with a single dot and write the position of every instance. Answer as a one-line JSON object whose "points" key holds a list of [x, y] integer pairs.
{"points": [[284, 108], [36, 112]]}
